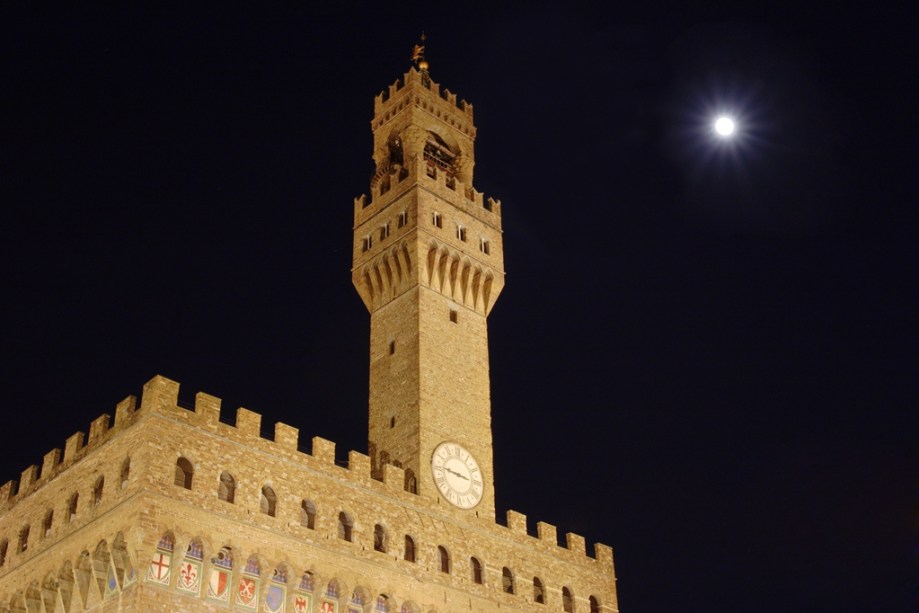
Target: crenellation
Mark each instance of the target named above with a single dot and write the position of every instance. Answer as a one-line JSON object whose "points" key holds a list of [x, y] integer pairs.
{"points": [[97, 429], [367, 502], [393, 477], [464, 197], [286, 437], [207, 408], [575, 543], [7, 491], [50, 463], [323, 451], [248, 423], [359, 467], [124, 411], [547, 533], [603, 554], [159, 393], [27, 478], [388, 98], [72, 447], [516, 522]]}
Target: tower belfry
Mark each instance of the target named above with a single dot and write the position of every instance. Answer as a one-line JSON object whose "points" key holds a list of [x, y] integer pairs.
{"points": [[428, 264]]}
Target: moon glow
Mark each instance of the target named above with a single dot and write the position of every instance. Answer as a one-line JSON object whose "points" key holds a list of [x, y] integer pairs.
{"points": [[724, 126]]}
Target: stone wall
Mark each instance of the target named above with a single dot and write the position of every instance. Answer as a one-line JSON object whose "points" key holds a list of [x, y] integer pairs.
{"points": [[93, 553]]}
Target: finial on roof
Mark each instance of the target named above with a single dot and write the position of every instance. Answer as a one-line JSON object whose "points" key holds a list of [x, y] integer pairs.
{"points": [[418, 55]]}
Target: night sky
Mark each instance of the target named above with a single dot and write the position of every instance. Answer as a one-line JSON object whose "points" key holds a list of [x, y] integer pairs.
{"points": [[705, 352]]}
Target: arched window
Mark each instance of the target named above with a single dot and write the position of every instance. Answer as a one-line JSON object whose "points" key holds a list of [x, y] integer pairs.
{"points": [[97, 491], [125, 472], [308, 514], [567, 600], [379, 538], [46, 524], [124, 567], [507, 580], [72, 506], [382, 604], [594, 605], [444, 556], [24, 539], [269, 501], [395, 149], [184, 473], [409, 549], [476, 571], [306, 582], [4, 546], [33, 597], [226, 490], [411, 483], [345, 525], [539, 593]]}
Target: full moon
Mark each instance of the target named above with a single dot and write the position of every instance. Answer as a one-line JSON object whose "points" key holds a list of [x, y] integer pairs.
{"points": [[724, 126]]}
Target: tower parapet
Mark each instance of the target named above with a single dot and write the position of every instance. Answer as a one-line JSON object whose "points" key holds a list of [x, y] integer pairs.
{"points": [[389, 99]]}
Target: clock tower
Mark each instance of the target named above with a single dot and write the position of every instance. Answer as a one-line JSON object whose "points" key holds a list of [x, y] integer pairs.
{"points": [[428, 264]]}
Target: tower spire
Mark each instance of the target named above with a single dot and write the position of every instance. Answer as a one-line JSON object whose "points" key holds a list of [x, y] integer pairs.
{"points": [[418, 54]]}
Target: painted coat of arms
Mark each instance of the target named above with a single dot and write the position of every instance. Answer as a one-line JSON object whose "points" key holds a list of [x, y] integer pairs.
{"points": [[159, 568], [247, 593], [274, 599], [189, 577], [327, 606], [303, 603], [218, 585]]}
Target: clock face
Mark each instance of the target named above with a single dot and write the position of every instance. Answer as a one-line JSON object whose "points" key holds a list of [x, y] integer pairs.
{"points": [[457, 475]]}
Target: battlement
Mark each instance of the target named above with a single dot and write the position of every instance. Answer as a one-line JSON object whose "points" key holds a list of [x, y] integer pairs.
{"points": [[395, 180], [421, 80], [76, 447], [160, 400]]}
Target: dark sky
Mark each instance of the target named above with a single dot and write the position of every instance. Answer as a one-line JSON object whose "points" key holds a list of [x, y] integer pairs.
{"points": [[704, 355]]}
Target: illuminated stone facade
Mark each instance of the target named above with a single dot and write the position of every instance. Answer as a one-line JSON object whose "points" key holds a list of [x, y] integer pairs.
{"points": [[168, 509]]}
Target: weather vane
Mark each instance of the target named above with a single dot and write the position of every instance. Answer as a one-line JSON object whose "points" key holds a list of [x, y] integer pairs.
{"points": [[418, 55]]}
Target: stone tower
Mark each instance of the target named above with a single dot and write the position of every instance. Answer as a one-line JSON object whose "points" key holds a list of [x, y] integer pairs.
{"points": [[428, 264]]}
